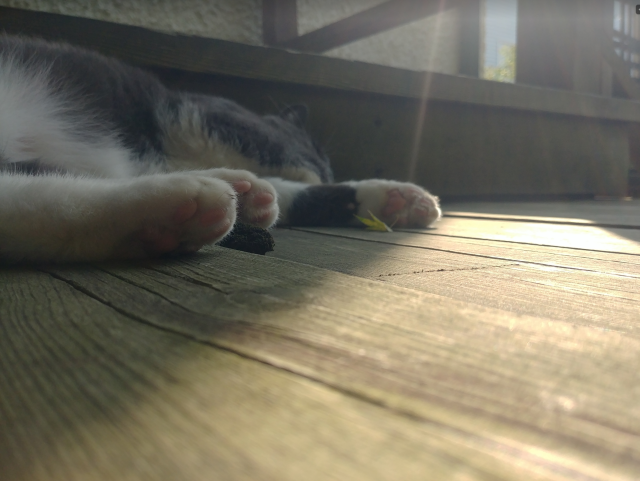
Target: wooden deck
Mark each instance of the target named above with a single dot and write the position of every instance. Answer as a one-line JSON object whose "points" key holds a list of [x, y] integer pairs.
{"points": [[503, 344]]}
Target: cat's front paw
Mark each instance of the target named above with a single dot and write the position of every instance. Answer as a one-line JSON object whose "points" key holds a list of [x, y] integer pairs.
{"points": [[257, 198], [397, 203], [176, 213]]}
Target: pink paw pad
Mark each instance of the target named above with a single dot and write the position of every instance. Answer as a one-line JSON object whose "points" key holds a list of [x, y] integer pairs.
{"points": [[165, 244], [241, 186], [211, 217], [157, 241], [395, 202], [263, 198], [185, 212], [258, 219]]}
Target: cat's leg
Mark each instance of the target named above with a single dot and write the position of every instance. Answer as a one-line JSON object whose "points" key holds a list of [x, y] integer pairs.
{"points": [[399, 203], [257, 198], [63, 218]]}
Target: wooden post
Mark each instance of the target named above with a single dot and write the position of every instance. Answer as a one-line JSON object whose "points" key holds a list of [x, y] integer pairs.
{"points": [[470, 31], [588, 73], [279, 21], [559, 44], [545, 43]]}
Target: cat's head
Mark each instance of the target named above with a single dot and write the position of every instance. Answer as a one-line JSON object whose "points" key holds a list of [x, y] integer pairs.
{"points": [[301, 151], [295, 114]]}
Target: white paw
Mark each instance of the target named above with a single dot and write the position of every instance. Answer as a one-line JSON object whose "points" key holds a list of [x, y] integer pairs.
{"points": [[257, 198], [397, 203], [169, 213]]}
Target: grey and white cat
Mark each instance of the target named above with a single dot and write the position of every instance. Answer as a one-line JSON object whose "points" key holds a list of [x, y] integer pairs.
{"points": [[98, 160]]}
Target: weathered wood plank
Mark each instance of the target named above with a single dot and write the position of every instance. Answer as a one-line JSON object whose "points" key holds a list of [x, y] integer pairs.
{"points": [[610, 213], [557, 398], [583, 297], [597, 261], [89, 394], [593, 238]]}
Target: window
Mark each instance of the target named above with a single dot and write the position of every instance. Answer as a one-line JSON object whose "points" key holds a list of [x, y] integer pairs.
{"points": [[499, 53]]}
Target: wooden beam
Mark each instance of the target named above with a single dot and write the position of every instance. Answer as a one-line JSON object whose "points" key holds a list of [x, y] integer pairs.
{"points": [[147, 48], [385, 16], [279, 21], [545, 47]]}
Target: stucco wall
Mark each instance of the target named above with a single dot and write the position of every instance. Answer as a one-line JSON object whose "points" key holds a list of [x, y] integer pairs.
{"points": [[235, 20], [313, 14], [427, 44]]}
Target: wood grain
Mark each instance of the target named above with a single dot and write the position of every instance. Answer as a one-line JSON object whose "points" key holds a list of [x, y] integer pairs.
{"points": [[607, 213], [592, 238], [585, 297], [553, 398], [90, 394], [581, 259]]}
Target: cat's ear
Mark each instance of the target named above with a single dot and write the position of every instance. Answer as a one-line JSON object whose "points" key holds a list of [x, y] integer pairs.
{"points": [[296, 114]]}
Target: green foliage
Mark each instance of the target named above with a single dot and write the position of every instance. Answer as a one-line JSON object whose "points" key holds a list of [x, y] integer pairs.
{"points": [[506, 71]]}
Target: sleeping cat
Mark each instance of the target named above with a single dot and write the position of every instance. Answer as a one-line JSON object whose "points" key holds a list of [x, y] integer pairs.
{"points": [[98, 160]]}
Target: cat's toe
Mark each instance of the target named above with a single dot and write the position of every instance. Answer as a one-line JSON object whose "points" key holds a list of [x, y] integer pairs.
{"points": [[259, 206], [397, 203], [257, 198]]}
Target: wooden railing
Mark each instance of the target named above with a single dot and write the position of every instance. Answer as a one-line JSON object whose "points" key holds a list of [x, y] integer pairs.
{"points": [[628, 49]]}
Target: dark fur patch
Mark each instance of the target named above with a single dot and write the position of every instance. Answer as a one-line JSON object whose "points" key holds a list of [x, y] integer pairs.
{"points": [[106, 96], [272, 141], [103, 95], [324, 205]]}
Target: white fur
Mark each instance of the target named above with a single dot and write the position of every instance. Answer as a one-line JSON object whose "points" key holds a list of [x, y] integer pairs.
{"points": [[79, 218], [106, 207], [32, 126], [63, 218], [287, 191], [264, 215], [421, 209]]}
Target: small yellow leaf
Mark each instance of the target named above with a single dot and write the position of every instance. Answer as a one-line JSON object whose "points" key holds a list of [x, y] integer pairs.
{"points": [[375, 224]]}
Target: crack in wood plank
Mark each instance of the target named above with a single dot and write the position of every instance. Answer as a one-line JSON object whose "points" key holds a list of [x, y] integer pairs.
{"points": [[483, 244], [426, 271]]}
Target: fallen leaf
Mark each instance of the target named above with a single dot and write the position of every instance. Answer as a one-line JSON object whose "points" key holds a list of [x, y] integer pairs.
{"points": [[375, 224]]}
